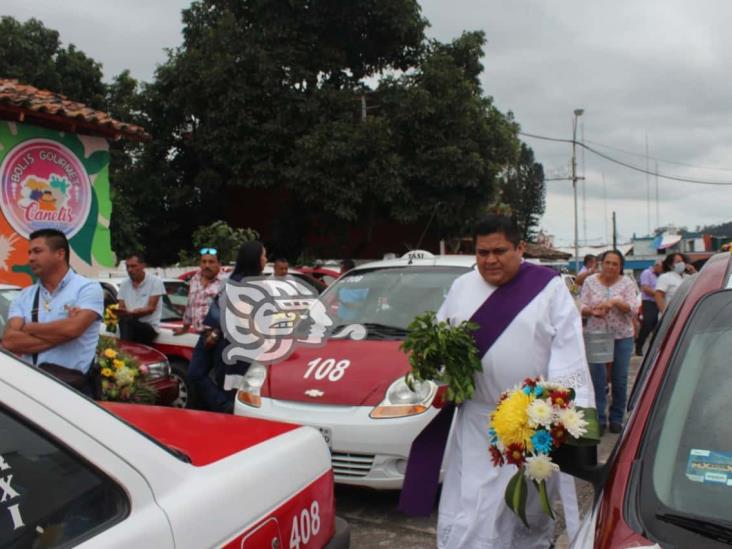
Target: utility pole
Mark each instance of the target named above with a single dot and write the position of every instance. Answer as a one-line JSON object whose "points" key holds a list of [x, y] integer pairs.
{"points": [[577, 114], [615, 234]]}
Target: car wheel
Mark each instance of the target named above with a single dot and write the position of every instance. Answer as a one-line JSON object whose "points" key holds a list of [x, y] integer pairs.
{"points": [[179, 372]]}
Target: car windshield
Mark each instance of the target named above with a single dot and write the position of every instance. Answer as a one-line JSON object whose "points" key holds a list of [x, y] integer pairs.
{"points": [[690, 438], [177, 291], [389, 297], [6, 298]]}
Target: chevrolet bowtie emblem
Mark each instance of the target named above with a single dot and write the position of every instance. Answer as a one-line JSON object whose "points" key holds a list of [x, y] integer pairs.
{"points": [[314, 393]]}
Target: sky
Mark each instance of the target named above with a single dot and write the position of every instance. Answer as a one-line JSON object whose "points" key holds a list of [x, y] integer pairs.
{"points": [[652, 78]]}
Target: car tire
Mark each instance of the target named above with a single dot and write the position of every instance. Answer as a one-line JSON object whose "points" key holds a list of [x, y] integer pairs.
{"points": [[179, 372]]}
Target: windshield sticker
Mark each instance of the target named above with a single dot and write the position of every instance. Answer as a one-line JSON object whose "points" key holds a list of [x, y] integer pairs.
{"points": [[8, 495], [709, 466]]}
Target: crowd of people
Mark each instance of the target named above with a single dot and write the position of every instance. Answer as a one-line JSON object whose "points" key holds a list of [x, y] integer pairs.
{"points": [[528, 326], [612, 304]]}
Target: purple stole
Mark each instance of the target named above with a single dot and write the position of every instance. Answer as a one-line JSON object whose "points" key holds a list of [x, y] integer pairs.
{"points": [[493, 317]]}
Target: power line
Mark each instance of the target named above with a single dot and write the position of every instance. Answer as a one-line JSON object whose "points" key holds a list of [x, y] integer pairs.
{"points": [[628, 165], [675, 163]]}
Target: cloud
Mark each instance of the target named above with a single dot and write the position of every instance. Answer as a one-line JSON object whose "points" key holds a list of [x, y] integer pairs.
{"points": [[655, 70]]}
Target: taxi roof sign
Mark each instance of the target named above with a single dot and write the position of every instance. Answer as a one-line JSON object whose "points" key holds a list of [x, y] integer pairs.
{"points": [[418, 254]]}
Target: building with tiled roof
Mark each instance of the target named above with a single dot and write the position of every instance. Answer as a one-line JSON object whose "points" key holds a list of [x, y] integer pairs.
{"points": [[54, 174], [44, 108]]}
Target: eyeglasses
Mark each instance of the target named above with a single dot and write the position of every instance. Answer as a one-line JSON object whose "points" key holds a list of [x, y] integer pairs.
{"points": [[208, 251]]}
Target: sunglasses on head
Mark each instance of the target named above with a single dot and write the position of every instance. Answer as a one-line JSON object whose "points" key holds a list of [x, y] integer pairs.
{"points": [[207, 251]]}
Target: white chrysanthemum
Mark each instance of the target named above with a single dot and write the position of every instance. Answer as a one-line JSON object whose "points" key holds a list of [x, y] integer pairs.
{"points": [[540, 413], [573, 421], [540, 467], [124, 376]]}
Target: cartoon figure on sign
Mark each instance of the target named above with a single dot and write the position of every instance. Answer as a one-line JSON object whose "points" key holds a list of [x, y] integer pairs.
{"points": [[44, 185], [265, 319]]}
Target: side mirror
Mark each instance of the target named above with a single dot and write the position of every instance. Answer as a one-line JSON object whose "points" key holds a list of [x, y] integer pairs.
{"points": [[580, 462]]}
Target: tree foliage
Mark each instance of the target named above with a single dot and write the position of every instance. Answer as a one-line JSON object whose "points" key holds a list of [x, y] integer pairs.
{"points": [[219, 235], [522, 190], [345, 108], [33, 54]]}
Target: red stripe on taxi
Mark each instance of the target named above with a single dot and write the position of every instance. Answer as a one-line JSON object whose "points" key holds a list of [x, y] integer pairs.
{"points": [[205, 437], [307, 520]]}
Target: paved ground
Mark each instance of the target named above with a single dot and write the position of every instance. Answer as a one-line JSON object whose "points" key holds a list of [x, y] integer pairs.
{"points": [[376, 523]]}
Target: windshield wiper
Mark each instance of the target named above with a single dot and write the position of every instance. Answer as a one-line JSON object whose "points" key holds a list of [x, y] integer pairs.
{"points": [[375, 330], [385, 329], [706, 528]]}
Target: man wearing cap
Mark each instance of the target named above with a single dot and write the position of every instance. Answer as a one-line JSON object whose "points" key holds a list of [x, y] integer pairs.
{"points": [[203, 287]]}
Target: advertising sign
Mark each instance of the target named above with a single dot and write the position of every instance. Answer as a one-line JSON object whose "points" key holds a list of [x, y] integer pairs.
{"points": [[51, 179]]}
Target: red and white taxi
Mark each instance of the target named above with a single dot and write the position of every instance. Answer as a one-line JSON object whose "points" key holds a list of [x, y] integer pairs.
{"points": [[354, 391], [75, 473]]}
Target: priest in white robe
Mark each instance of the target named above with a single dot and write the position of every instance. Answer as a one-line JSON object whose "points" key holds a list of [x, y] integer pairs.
{"points": [[544, 339]]}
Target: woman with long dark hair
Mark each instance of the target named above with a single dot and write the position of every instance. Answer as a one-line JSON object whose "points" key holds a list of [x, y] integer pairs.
{"points": [[250, 260]]}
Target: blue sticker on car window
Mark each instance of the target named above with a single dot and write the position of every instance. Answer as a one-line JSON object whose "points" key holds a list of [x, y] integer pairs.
{"points": [[709, 466]]}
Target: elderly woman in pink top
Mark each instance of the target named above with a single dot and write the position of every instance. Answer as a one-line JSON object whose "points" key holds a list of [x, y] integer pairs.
{"points": [[609, 300]]}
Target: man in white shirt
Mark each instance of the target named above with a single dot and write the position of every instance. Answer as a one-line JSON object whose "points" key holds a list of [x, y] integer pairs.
{"points": [[140, 303]]}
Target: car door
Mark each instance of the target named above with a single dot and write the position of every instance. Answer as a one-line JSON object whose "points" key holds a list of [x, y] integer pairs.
{"points": [[59, 486]]}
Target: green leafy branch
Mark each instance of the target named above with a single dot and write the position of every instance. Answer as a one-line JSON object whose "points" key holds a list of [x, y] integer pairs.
{"points": [[443, 353]]}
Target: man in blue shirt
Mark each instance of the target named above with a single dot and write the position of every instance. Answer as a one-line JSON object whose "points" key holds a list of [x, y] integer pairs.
{"points": [[69, 310]]}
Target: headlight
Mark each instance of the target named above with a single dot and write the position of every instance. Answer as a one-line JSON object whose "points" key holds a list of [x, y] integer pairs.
{"points": [[251, 385], [401, 401], [158, 370]]}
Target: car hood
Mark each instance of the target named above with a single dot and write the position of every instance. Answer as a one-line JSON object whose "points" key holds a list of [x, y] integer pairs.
{"points": [[143, 353], [205, 437], [358, 374]]}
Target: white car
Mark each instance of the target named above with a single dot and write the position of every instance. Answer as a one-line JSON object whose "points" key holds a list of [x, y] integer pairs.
{"points": [[354, 391], [75, 473]]}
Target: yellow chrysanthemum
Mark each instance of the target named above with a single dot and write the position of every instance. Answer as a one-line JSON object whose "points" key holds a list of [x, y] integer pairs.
{"points": [[117, 363], [511, 420], [110, 353], [106, 372]]}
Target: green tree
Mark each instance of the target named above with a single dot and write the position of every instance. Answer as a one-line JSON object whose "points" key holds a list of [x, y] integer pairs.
{"points": [[124, 101], [220, 236], [281, 109], [523, 190], [33, 54]]}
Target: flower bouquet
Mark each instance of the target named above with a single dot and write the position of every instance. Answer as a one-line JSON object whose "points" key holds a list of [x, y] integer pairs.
{"points": [[122, 375], [110, 317], [530, 422], [443, 353]]}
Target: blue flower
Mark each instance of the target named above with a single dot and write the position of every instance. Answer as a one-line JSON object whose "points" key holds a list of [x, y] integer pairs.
{"points": [[527, 390], [492, 436], [542, 441], [538, 391]]}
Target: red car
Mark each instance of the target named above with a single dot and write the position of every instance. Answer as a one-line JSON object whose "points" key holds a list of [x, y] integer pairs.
{"points": [[668, 480], [159, 375], [323, 274]]}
